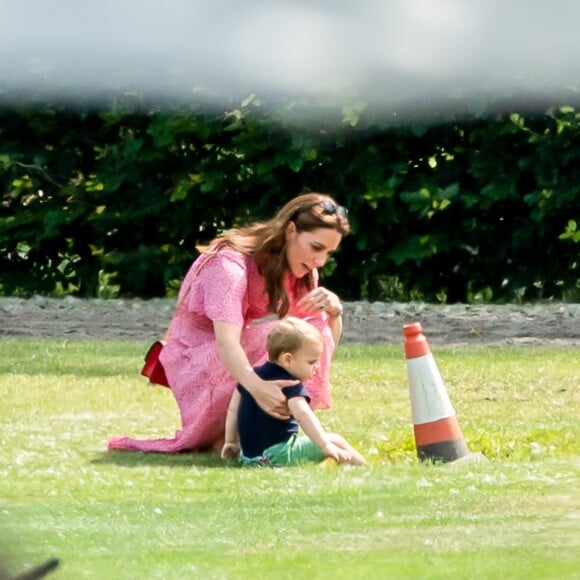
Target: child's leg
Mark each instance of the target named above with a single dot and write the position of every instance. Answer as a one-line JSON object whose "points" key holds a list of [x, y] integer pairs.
{"points": [[298, 449], [340, 441]]}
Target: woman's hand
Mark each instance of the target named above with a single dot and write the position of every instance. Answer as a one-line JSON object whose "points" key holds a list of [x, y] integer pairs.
{"points": [[270, 398], [321, 300]]}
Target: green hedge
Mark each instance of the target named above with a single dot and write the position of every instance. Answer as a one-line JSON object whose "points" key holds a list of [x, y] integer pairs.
{"points": [[112, 202]]}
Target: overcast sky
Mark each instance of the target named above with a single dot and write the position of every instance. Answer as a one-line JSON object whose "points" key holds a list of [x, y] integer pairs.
{"points": [[382, 51]]}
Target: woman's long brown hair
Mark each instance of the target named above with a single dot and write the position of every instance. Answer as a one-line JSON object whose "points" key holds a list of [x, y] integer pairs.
{"points": [[266, 241]]}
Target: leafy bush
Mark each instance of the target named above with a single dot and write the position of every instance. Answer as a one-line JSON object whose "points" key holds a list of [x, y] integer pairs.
{"points": [[113, 202]]}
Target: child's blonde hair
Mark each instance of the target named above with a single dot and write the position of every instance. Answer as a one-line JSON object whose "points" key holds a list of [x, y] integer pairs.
{"points": [[289, 335]]}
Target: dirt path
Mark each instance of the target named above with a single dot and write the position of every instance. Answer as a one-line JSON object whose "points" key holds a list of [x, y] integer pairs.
{"points": [[541, 324]]}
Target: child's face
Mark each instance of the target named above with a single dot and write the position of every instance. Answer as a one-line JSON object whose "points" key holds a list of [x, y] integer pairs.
{"points": [[304, 362]]}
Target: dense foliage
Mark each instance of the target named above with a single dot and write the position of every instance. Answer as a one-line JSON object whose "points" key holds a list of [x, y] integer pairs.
{"points": [[112, 202]]}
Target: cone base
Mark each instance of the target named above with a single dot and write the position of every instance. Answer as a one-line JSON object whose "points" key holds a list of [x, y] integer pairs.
{"points": [[471, 458], [444, 451]]}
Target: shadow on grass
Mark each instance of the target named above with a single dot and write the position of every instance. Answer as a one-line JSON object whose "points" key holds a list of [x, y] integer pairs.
{"points": [[178, 460]]}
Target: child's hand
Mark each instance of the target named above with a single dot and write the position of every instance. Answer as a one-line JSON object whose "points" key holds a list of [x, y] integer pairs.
{"points": [[339, 455], [231, 450], [334, 452]]}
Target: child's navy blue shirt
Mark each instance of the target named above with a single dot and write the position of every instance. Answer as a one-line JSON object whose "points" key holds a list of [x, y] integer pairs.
{"points": [[257, 429]]}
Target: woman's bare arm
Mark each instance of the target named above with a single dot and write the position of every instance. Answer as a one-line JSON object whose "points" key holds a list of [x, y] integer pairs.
{"points": [[268, 394], [336, 326]]}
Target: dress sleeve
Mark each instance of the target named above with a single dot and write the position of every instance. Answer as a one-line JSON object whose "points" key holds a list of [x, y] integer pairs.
{"points": [[220, 288]]}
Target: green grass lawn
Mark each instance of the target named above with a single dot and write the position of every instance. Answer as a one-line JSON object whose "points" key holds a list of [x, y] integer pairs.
{"points": [[123, 515]]}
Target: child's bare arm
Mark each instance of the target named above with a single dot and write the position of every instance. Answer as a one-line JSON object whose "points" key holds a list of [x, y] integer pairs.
{"points": [[309, 422], [231, 447]]}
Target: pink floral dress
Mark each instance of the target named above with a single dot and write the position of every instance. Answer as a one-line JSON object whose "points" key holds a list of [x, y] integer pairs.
{"points": [[226, 288]]}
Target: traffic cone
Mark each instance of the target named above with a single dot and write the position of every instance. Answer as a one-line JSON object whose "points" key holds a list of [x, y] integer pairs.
{"points": [[438, 436]]}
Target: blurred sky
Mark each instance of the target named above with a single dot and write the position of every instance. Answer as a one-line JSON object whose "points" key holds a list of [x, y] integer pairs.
{"points": [[381, 51]]}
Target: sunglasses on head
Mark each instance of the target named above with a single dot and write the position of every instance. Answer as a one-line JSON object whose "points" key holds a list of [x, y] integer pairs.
{"points": [[328, 208]]}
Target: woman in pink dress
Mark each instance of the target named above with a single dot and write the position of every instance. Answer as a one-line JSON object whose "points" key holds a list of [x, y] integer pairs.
{"points": [[234, 292]]}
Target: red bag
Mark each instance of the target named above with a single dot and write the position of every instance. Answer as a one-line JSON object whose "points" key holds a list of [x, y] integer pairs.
{"points": [[153, 369]]}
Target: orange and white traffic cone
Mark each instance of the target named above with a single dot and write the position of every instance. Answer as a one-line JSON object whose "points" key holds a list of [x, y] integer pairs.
{"points": [[438, 436]]}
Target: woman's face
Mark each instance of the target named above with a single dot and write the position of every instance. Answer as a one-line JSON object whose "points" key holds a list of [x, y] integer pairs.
{"points": [[308, 250]]}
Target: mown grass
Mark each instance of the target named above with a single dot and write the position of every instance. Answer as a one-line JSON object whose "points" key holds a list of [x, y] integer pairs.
{"points": [[123, 515]]}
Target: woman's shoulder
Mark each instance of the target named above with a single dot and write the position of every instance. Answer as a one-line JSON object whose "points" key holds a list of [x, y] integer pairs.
{"points": [[224, 258]]}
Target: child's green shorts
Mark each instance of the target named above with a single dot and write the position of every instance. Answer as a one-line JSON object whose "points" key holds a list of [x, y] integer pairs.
{"points": [[298, 449]]}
